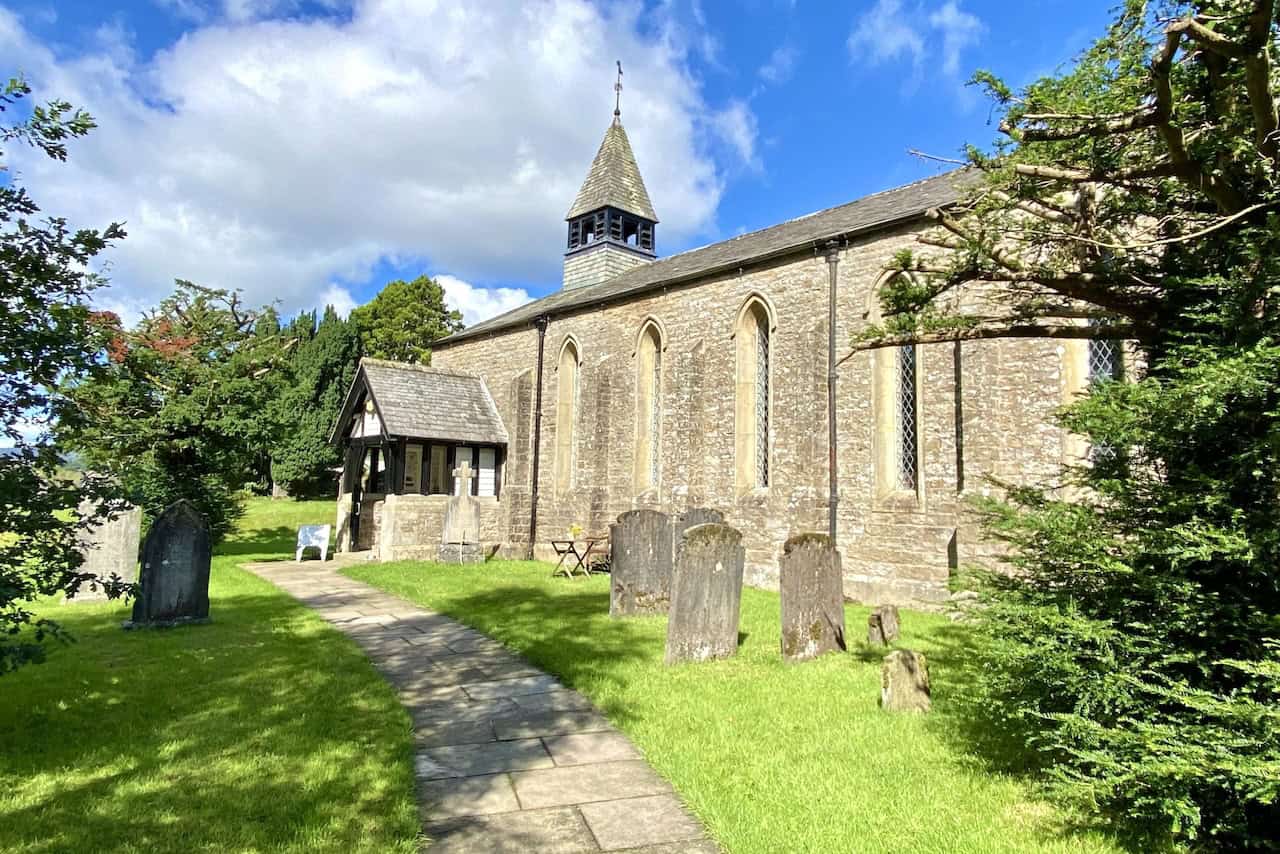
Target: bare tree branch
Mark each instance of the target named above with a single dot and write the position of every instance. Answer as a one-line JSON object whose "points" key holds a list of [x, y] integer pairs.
{"points": [[1191, 172]]}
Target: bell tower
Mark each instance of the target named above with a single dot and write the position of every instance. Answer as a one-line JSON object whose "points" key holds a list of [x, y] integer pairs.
{"points": [[611, 222]]}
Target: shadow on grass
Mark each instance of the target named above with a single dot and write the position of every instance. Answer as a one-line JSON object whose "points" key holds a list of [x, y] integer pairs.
{"points": [[199, 737], [279, 540], [975, 732]]}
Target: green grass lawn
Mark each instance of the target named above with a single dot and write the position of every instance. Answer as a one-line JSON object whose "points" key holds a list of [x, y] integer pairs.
{"points": [[265, 730], [772, 757]]}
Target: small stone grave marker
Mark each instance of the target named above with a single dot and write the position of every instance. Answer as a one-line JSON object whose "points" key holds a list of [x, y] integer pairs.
{"points": [[812, 589], [460, 539], [706, 594], [312, 537], [109, 547], [640, 564], [174, 582], [883, 625], [904, 682]]}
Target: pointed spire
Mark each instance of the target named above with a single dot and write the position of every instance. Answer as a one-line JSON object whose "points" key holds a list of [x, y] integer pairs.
{"points": [[614, 179]]}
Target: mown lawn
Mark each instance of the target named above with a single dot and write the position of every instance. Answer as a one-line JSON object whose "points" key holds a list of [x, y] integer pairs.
{"points": [[265, 730], [772, 757]]}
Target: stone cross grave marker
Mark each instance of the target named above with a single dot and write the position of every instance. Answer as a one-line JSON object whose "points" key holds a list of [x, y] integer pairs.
{"points": [[882, 625], [640, 567], [460, 539], [706, 594], [109, 547], [812, 590], [312, 537], [174, 583], [904, 682]]}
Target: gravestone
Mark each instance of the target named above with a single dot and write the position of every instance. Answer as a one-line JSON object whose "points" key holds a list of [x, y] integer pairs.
{"points": [[686, 520], [904, 682], [174, 583], [312, 537], [460, 539], [882, 625], [109, 547], [640, 564], [706, 594], [812, 589]]}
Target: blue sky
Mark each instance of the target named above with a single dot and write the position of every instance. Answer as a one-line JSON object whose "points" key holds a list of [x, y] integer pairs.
{"points": [[307, 152]]}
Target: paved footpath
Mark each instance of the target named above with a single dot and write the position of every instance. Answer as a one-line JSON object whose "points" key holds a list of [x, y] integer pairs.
{"points": [[507, 759]]}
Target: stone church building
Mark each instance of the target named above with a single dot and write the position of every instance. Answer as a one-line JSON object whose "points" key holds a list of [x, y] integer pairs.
{"points": [[700, 379]]}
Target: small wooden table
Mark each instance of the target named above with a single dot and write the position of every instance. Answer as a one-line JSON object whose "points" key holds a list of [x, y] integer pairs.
{"points": [[580, 550]]}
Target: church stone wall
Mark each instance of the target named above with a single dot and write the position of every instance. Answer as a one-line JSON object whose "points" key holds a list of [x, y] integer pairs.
{"points": [[984, 410]]}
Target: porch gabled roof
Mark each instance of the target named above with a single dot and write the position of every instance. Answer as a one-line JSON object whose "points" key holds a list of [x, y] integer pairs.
{"points": [[418, 402]]}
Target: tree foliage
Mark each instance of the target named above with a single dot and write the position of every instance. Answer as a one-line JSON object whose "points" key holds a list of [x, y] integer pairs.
{"points": [[321, 370], [1137, 195], [47, 332], [403, 319], [177, 411]]}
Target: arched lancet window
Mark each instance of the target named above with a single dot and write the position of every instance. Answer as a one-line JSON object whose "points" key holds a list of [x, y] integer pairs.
{"points": [[754, 394], [566, 414], [648, 407]]}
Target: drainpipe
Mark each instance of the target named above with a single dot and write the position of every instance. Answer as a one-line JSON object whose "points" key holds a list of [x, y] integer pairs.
{"points": [[833, 262], [541, 324]]}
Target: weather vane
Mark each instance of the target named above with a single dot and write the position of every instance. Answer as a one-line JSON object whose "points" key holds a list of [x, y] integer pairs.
{"points": [[617, 97]]}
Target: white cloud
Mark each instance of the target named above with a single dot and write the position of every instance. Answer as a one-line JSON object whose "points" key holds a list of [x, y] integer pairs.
{"points": [[477, 304], [736, 124], [284, 157], [959, 31], [884, 34], [888, 32], [781, 64], [338, 297]]}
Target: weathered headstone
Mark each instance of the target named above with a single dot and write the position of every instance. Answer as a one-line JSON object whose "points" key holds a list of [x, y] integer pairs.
{"points": [[706, 594], [109, 547], [174, 583], [682, 522], [640, 564], [312, 537], [882, 625], [460, 539], [904, 682], [812, 591]]}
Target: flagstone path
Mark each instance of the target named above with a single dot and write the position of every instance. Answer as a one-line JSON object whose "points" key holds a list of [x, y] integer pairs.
{"points": [[507, 759]]}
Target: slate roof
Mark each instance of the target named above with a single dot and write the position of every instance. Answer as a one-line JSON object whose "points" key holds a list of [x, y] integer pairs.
{"points": [[870, 213], [614, 179], [418, 402]]}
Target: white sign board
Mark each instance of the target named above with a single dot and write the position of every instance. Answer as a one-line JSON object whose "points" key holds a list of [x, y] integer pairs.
{"points": [[313, 536]]}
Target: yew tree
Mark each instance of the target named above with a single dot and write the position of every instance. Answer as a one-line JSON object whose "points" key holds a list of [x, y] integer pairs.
{"points": [[1136, 645]]}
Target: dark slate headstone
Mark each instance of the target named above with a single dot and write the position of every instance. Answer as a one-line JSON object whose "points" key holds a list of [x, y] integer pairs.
{"points": [[812, 590], [640, 569], [706, 594], [904, 682], [882, 625], [174, 582]]}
